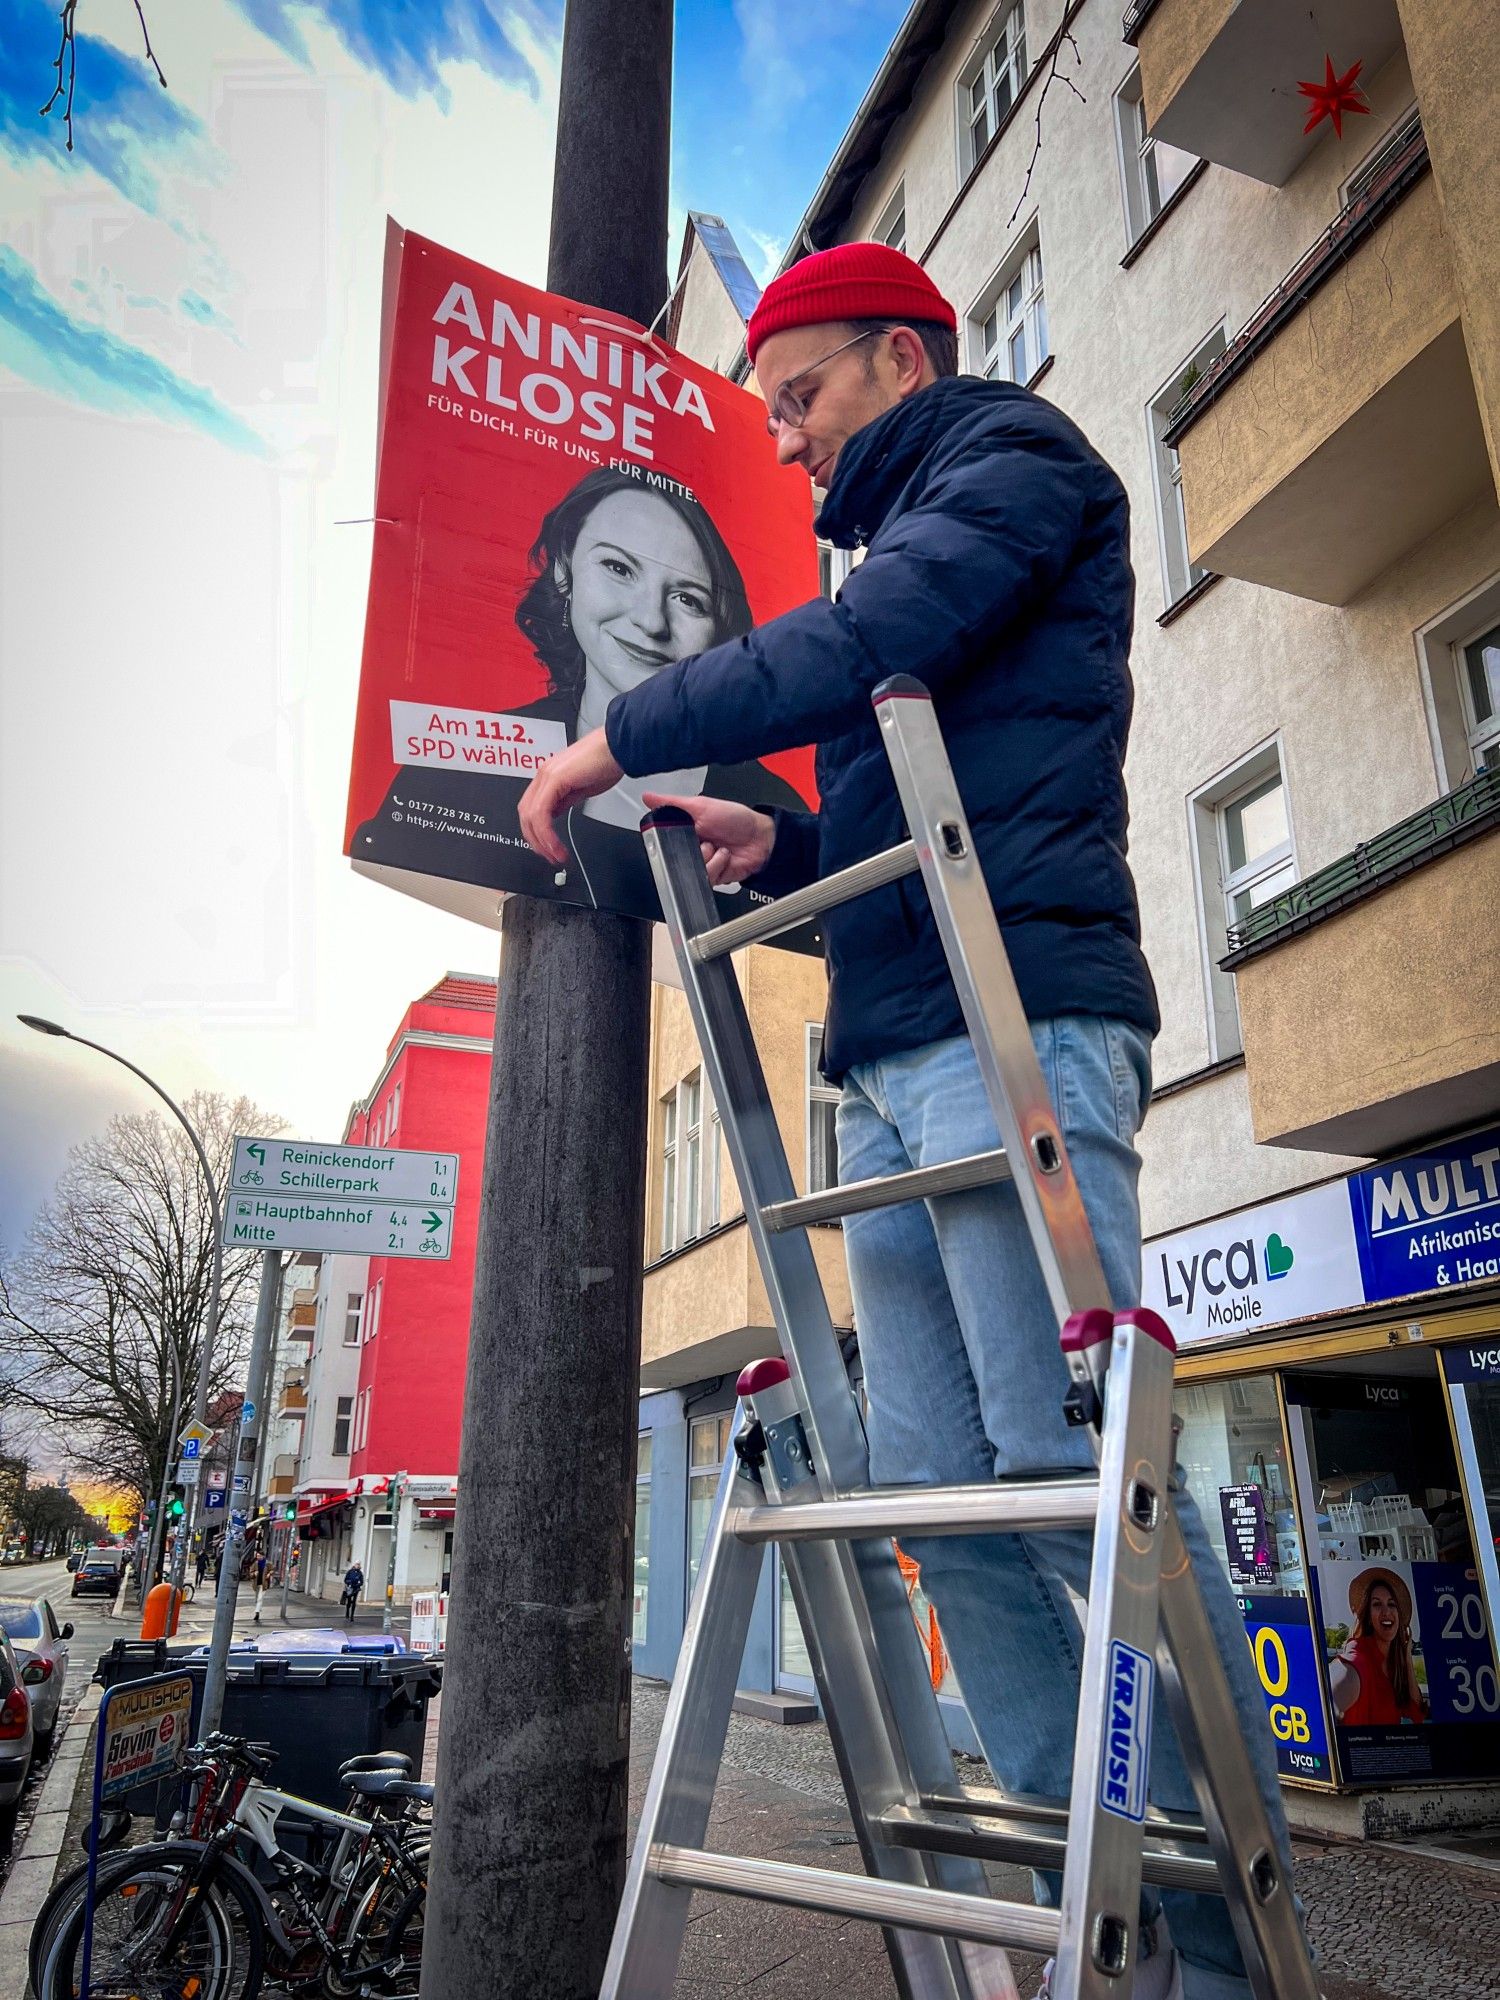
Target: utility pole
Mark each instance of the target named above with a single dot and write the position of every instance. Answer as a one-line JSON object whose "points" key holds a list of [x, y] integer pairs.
{"points": [[528, 1850], [395, 1501], [245, 1455]]}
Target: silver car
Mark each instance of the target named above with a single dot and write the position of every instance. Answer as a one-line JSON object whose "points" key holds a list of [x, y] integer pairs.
{"points": [[17, 1741], [41, 1648]]}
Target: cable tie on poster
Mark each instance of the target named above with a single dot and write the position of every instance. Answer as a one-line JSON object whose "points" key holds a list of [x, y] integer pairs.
{"points": [[629, 332]]}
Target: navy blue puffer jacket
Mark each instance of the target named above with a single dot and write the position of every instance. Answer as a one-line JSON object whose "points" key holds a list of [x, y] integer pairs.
{"points": [[997, 572]]}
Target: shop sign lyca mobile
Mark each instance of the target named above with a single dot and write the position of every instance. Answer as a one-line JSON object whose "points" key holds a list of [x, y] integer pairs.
{"points": [[287, 1194], [1427, 1223]]}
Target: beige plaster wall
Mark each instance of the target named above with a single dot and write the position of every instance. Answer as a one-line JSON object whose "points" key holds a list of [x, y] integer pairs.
{"points": [[1172, 40], [1402, 987], [1454, 50], [709, 326]]}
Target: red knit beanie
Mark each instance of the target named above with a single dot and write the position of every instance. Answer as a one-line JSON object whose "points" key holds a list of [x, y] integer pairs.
{"points": [[850, 281]]}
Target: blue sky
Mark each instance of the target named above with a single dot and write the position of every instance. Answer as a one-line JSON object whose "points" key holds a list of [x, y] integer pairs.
{"points": [[189, 305]]}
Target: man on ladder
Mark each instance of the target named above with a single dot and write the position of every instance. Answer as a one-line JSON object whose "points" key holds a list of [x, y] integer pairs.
{"points": [[996, 571]]}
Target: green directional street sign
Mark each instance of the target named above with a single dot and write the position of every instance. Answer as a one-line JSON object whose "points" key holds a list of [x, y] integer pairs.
{"points": [[362, 1228]]}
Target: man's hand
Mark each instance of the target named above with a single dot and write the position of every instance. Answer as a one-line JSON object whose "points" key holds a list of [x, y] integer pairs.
{"points": [[580, 772], [736, 840]]}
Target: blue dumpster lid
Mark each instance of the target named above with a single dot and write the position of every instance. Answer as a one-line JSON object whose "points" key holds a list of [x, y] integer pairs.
{"points": [[323, 1639]]}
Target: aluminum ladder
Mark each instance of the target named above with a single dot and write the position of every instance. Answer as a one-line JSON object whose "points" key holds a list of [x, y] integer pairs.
{"points": [[798, 1475]]}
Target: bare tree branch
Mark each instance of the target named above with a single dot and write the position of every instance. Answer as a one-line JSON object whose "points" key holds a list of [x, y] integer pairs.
{"points": [[67, 53], [1054, 75]]}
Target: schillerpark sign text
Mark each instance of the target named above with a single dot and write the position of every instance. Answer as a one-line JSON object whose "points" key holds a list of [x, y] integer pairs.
{"points": [[1427, 1223]]}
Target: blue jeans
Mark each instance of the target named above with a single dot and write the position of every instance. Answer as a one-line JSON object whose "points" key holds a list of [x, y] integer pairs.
{"points": [[965, 1382]]}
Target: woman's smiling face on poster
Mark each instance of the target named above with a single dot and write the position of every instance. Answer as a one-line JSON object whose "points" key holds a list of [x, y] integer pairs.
{"points": [[1384, 1614], [640, 593]]}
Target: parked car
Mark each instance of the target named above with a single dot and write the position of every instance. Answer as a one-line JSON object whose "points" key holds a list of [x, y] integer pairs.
{"points": [[40, 1645], [13, 1555], [99, 1572], [75, 1559], [17, 1739]]}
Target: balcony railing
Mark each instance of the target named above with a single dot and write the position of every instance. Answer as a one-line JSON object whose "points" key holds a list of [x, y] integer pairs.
{"points": [[1135, 17], [1351, 227], [1464, 815]]}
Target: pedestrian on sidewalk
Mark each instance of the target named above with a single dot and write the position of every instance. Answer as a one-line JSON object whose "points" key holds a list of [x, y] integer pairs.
{"points": [[997, 570], [354, 1583], [200, 1566]]}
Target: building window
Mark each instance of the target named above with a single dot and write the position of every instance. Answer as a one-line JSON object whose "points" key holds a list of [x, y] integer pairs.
{"points": [[669, 1172], [792, 1662], [690, 1111], [373, 1306], [990, 85], [1009, 329], [393, 1112], [1242, 842], [642, 1537], [708, 1447], [891, 228], [1151, 171], [834, 566], [822, 1112], [353, 1313], [343, 1416], [715, 1169], [1179, 571], [1479, 688]]}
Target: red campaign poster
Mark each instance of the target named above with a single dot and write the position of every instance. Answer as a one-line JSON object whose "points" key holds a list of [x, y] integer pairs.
{"points": [[564, 508]]}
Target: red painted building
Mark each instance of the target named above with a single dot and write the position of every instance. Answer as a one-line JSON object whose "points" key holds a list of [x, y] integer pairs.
{"points": [[432, 1093]]}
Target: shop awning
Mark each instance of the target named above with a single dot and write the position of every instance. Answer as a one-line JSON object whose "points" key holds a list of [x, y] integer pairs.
{"points": [[311, 1505], [433, 1517]]}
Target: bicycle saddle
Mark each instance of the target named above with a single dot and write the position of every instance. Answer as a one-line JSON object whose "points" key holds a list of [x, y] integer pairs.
{"points": [[374, 1784], [409, 1788], [376, 1760]]}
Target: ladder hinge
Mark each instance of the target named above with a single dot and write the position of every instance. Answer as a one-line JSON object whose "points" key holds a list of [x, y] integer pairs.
{"points": [[750, 1448], [1083, 1406]]}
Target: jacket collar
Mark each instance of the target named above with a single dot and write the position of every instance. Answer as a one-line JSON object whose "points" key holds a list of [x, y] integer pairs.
{"points": [[877, 461]]}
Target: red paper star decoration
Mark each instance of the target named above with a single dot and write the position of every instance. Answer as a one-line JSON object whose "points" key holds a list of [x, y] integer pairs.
{"points": [[1334, 96]]}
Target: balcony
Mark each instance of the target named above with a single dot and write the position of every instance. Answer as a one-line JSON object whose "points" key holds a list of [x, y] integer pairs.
{"points": [[303, 1319], [1339, 428], [1220, 77], [705, 1310], [293, 1399], [283, 1476], [1367, 991]]}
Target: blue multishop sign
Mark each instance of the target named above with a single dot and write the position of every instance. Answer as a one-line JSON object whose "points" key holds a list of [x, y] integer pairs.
{"points": [[1428, 1223]]}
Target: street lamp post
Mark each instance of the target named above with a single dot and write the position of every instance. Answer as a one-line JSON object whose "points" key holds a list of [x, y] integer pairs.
{"points": [[216, 1267], [159, 1525]]}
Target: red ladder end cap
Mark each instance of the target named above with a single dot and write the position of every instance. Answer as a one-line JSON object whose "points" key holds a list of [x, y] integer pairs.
{"points": [[1151, 1323], [768, 1373], [1083, 1330]]}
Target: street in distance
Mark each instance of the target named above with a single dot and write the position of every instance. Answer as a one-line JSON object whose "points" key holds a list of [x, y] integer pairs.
{"points": [[365, 1228], [304, 1167]]}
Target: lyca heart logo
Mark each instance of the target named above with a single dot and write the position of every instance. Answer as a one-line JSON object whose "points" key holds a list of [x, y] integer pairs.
{"points": [[1279, 1259]]}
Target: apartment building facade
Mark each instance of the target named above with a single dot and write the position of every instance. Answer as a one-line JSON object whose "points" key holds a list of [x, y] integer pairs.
{"points": [[1286, 343]]}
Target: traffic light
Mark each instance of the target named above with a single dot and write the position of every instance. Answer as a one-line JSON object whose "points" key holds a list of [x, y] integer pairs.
{"points": [[177, 1503]]}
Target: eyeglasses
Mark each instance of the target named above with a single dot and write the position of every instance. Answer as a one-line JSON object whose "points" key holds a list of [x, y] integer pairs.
{"points": [[787, 407]]}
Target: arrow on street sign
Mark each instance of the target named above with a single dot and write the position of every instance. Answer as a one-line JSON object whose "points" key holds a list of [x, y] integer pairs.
{"points": [[258, 1154], [431, 1221]]}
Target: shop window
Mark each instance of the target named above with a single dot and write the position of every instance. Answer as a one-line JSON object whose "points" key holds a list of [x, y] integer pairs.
{"points": [[822, 1115], [1399, 1609], [642, 1538], [793, 1666], [708, 1446]]}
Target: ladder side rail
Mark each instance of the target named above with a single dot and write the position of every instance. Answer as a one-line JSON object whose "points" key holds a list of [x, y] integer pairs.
{"points": [[991, 1005], [1206, 1718], [884, 1675], [653, 1913], [1101, 1886]]}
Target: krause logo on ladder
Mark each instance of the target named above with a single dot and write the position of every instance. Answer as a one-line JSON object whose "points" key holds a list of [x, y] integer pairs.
{"points": [[1127, 1743]]}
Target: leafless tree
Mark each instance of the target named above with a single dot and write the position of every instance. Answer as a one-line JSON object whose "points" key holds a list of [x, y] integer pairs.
{"points": [[112, 1287]]}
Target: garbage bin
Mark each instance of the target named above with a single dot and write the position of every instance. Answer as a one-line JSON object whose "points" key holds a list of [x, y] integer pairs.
{"points": [[314, 1709]]}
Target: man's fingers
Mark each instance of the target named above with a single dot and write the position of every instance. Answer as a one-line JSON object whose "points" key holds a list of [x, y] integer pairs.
{"points": [[535, 813]]}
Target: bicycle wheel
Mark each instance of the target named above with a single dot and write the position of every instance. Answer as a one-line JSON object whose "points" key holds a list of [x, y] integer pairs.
{"points": [[146, 1947], [385, 1932], [66, 1895]]}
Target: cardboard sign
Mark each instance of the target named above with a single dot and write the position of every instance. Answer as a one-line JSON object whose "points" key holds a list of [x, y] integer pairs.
{"points": [[142, 1729], [565, 508]]}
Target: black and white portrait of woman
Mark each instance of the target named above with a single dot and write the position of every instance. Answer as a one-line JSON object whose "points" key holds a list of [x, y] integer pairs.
{"points": [[626, 578]]}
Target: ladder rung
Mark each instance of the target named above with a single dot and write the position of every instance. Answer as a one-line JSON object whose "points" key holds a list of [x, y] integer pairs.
{"points": [[1002, 1838], [982, 1801], [919, 1184], [789, 911], [904, 1904], [1016, 1506]]}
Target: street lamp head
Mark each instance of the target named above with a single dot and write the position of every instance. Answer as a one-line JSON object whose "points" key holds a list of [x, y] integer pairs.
{"points": [[43, 1027]]}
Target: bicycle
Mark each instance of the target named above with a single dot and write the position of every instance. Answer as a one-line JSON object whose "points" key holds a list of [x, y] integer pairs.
{"points": [[189, 1914]]}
